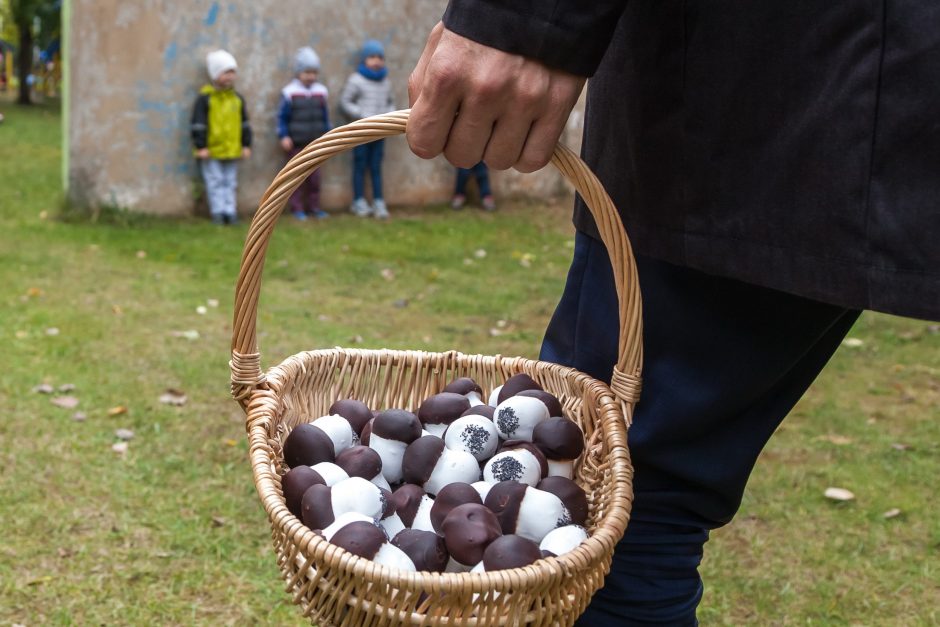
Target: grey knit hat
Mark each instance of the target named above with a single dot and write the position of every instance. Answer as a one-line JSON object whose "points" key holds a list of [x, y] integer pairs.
{"points": [[306, 60]]}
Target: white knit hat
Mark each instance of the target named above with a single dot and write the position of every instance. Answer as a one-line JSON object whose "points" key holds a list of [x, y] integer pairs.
{"points": [[306, 59], [219, 62]]}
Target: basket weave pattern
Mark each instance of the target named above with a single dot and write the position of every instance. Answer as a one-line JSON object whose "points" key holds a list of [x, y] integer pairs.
{"points": [[334, 587]]}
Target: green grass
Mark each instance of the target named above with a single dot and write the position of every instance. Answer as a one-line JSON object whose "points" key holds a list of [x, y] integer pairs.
{"points": [[173, 532]]}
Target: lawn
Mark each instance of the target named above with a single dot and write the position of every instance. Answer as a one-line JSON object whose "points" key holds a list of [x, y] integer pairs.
{"points": [[171, 530]]}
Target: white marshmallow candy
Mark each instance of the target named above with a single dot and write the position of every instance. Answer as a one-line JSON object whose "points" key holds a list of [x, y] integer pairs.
{"points": [[358, 495], [339, 430], [517, 416], [331, 473], [474, 434], [560, 541]]}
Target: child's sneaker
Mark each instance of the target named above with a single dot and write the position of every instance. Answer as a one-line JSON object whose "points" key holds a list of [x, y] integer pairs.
{"points": [[381, 211], [361, 208], [489, 203], [320, 214], [458, 201], [300, 215]]}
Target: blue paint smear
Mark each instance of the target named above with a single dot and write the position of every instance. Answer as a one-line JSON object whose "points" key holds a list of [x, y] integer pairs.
{"points": [[170, 55], [213, 15]]}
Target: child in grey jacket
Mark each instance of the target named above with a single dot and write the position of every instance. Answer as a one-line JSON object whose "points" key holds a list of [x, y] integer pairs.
{"points": [[368, 92]]}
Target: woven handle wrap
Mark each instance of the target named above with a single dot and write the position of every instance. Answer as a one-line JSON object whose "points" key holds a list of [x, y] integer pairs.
{"points": [[246, 361]]}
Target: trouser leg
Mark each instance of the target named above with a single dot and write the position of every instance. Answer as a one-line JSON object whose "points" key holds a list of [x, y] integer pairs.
{"points": [[724, 363], [230, 176], [463, 176], [212, 177], [296, 201], [360, 162], [375, 168], [483, 179]]}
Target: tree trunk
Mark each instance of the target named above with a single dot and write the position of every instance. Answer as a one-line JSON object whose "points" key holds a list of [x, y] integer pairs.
{"points": [[24, 64]]}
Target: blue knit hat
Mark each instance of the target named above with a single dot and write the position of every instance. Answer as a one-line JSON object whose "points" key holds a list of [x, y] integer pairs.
{"points": [[373, 47]]}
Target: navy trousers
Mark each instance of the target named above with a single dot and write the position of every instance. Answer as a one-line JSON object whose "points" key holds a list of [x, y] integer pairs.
{"points": [[368, 157], [724, 362]]}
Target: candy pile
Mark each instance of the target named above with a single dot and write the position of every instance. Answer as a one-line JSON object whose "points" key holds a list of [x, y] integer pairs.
{"points": [[460, 485]]}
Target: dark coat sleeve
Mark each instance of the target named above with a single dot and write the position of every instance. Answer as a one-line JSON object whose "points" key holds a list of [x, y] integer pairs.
{"points": [[246, 125], [199, 124], [570, 35]]}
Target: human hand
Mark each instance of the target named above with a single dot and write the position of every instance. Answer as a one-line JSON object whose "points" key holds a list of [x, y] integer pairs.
{"points": [[473, 102], [202, 153], [287, 144], [246, 152]]}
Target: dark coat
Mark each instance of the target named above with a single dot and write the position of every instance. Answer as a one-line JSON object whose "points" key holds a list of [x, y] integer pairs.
{"points": [[794, 145]]}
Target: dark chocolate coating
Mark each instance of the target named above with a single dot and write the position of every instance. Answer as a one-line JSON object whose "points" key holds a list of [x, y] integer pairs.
{"points": [[388, 505], [295, 483], [420, 458], [450, 496], [307, 445], [360, 461], [515, 384], [366, 432], [571, 494], [559, 438], [317, 507], [487, 411], [443, 408], [397, 424], [504, 499], [547, 554], [510, 551], [406, 500], [552, 403], [509, 445], [360, 538], [425, 548], [463, 385], [355, 412], [468, 530]]}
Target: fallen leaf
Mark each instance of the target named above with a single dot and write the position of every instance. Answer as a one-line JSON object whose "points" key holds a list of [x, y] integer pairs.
{"points": [[401, 303], [141, 254], [426, 339], [388, 274], [900, 446], [39, 580], [124, 434], [117, 411], [894, 512], [67, 387], [501, 324], [933, 328], [434, 274], [852, 342], [79, 416], [173, 397], [218, 521], [212, 302], [201, 310], [21, 335], [494, 332], [66, 402], [832, 438], [479, 253], [191, 334], [323, 318], [356, 339], [117, 310], [64, 552], [526, 260], [51, 331], [43, 388], [838, 494], [163, 554], [119, 447], [467, 261], [34, 292], [231, 442], [43, 215]]}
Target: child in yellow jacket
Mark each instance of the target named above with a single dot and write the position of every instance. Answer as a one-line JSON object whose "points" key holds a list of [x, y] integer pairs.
{"points": [[221, 135]]}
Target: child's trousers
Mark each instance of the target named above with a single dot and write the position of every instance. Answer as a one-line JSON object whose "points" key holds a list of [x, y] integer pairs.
{"points": [[368, 157], [221, 179], [724, 362]]}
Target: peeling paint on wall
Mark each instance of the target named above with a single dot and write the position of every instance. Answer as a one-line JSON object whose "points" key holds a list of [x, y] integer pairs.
{"points": [[135, 69]]}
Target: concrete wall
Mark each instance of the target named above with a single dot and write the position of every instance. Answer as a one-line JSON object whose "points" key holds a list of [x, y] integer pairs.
{"points": [[135, 68]]}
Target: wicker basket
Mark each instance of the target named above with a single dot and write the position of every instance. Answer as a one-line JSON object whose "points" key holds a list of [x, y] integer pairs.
{"points": [[334, 587]]}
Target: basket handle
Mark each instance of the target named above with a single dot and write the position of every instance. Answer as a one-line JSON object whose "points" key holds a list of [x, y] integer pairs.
{"points": [[246, 360]]}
